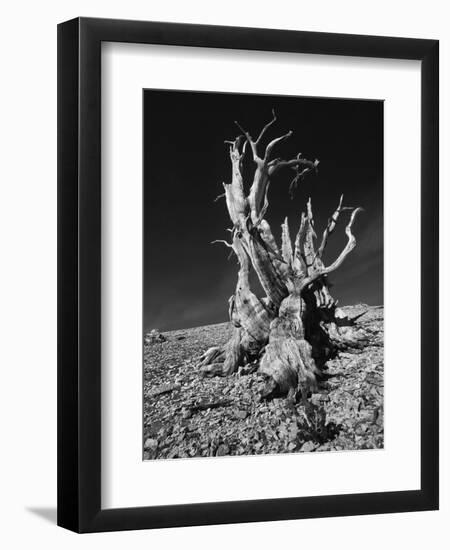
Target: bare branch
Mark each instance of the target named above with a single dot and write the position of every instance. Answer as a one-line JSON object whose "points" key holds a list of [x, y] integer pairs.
{"points": [[258, 191], [267, 236], [310, 214], [240, 128], [265, 183], [299, 260], [330, 227], [351, 243], [286, 243], [276, 164], [300, 174], [221, 196], [234, 192], [235, 145], [267, 126], [249, 140], [244, 149], [222, 241], [308, 249], [272, 144], [254, 143]]}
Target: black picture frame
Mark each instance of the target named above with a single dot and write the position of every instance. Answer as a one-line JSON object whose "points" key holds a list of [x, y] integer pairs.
{"points": [[79, 274]]}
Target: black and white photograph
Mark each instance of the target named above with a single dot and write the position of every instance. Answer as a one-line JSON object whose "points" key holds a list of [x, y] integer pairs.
{"points": [[263, 274], [226, 258]]}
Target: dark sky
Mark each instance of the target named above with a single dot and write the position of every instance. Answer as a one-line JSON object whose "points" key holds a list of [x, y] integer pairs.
{"points": [[187, 280]]}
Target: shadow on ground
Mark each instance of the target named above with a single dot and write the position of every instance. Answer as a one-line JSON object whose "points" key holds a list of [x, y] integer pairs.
{"points": [[45, 513]]}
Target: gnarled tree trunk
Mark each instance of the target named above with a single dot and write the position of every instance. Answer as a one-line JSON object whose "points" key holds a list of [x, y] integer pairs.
{"points": [[297, 326]]}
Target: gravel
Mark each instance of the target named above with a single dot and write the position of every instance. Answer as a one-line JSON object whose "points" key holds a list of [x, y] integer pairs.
{"points": [[186, 415]]}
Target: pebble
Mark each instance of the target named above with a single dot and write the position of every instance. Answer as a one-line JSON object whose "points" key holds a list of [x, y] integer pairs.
{"points": [[150, 444], [186, 413], [222, 450], [154, 427], [250, 426], [308, 447]]}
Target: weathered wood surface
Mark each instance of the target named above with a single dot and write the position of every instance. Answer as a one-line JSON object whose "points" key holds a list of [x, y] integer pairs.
{"points": [[293, 330]]}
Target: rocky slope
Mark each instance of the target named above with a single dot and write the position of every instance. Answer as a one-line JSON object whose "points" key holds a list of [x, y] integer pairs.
{"points": [[186, 415]]}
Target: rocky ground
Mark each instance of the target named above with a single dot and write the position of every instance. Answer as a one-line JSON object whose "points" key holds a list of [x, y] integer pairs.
{"points": [[186, 415]]}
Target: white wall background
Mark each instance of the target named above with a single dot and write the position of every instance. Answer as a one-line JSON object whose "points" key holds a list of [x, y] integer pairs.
{"points": [[28, 274]]}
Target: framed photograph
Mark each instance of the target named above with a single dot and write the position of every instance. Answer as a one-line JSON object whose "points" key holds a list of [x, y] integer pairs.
{"points": [[248, 275]]}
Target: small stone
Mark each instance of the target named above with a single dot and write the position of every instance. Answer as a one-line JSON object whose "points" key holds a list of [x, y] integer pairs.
{"points": [[186, 413], [361, 429], [154, 337], [154, 428], [222, 450], [293, 432], [150, 444], [165, 388], [318, 399], [242, 415], [308, 447], [282, 431]]}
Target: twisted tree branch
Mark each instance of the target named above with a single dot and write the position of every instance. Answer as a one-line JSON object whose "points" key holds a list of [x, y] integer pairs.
{"points": [[330, 227], [351, 243]]}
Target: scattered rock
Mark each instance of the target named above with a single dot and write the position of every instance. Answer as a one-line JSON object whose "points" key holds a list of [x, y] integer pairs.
{"points": [[249, 369], [207, 405], [154, 337], [186, 413], [319, 398], [224, 416], [293, 432], [308, 447], [154, 427], [165, 388], [222, 450], [151, 444]]}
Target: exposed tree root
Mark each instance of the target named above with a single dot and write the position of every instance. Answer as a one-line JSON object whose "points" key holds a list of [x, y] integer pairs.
{"points": [[226, 360]]}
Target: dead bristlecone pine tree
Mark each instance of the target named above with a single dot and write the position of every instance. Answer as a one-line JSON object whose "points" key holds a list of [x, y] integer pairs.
{"points": [[296, 327]]}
